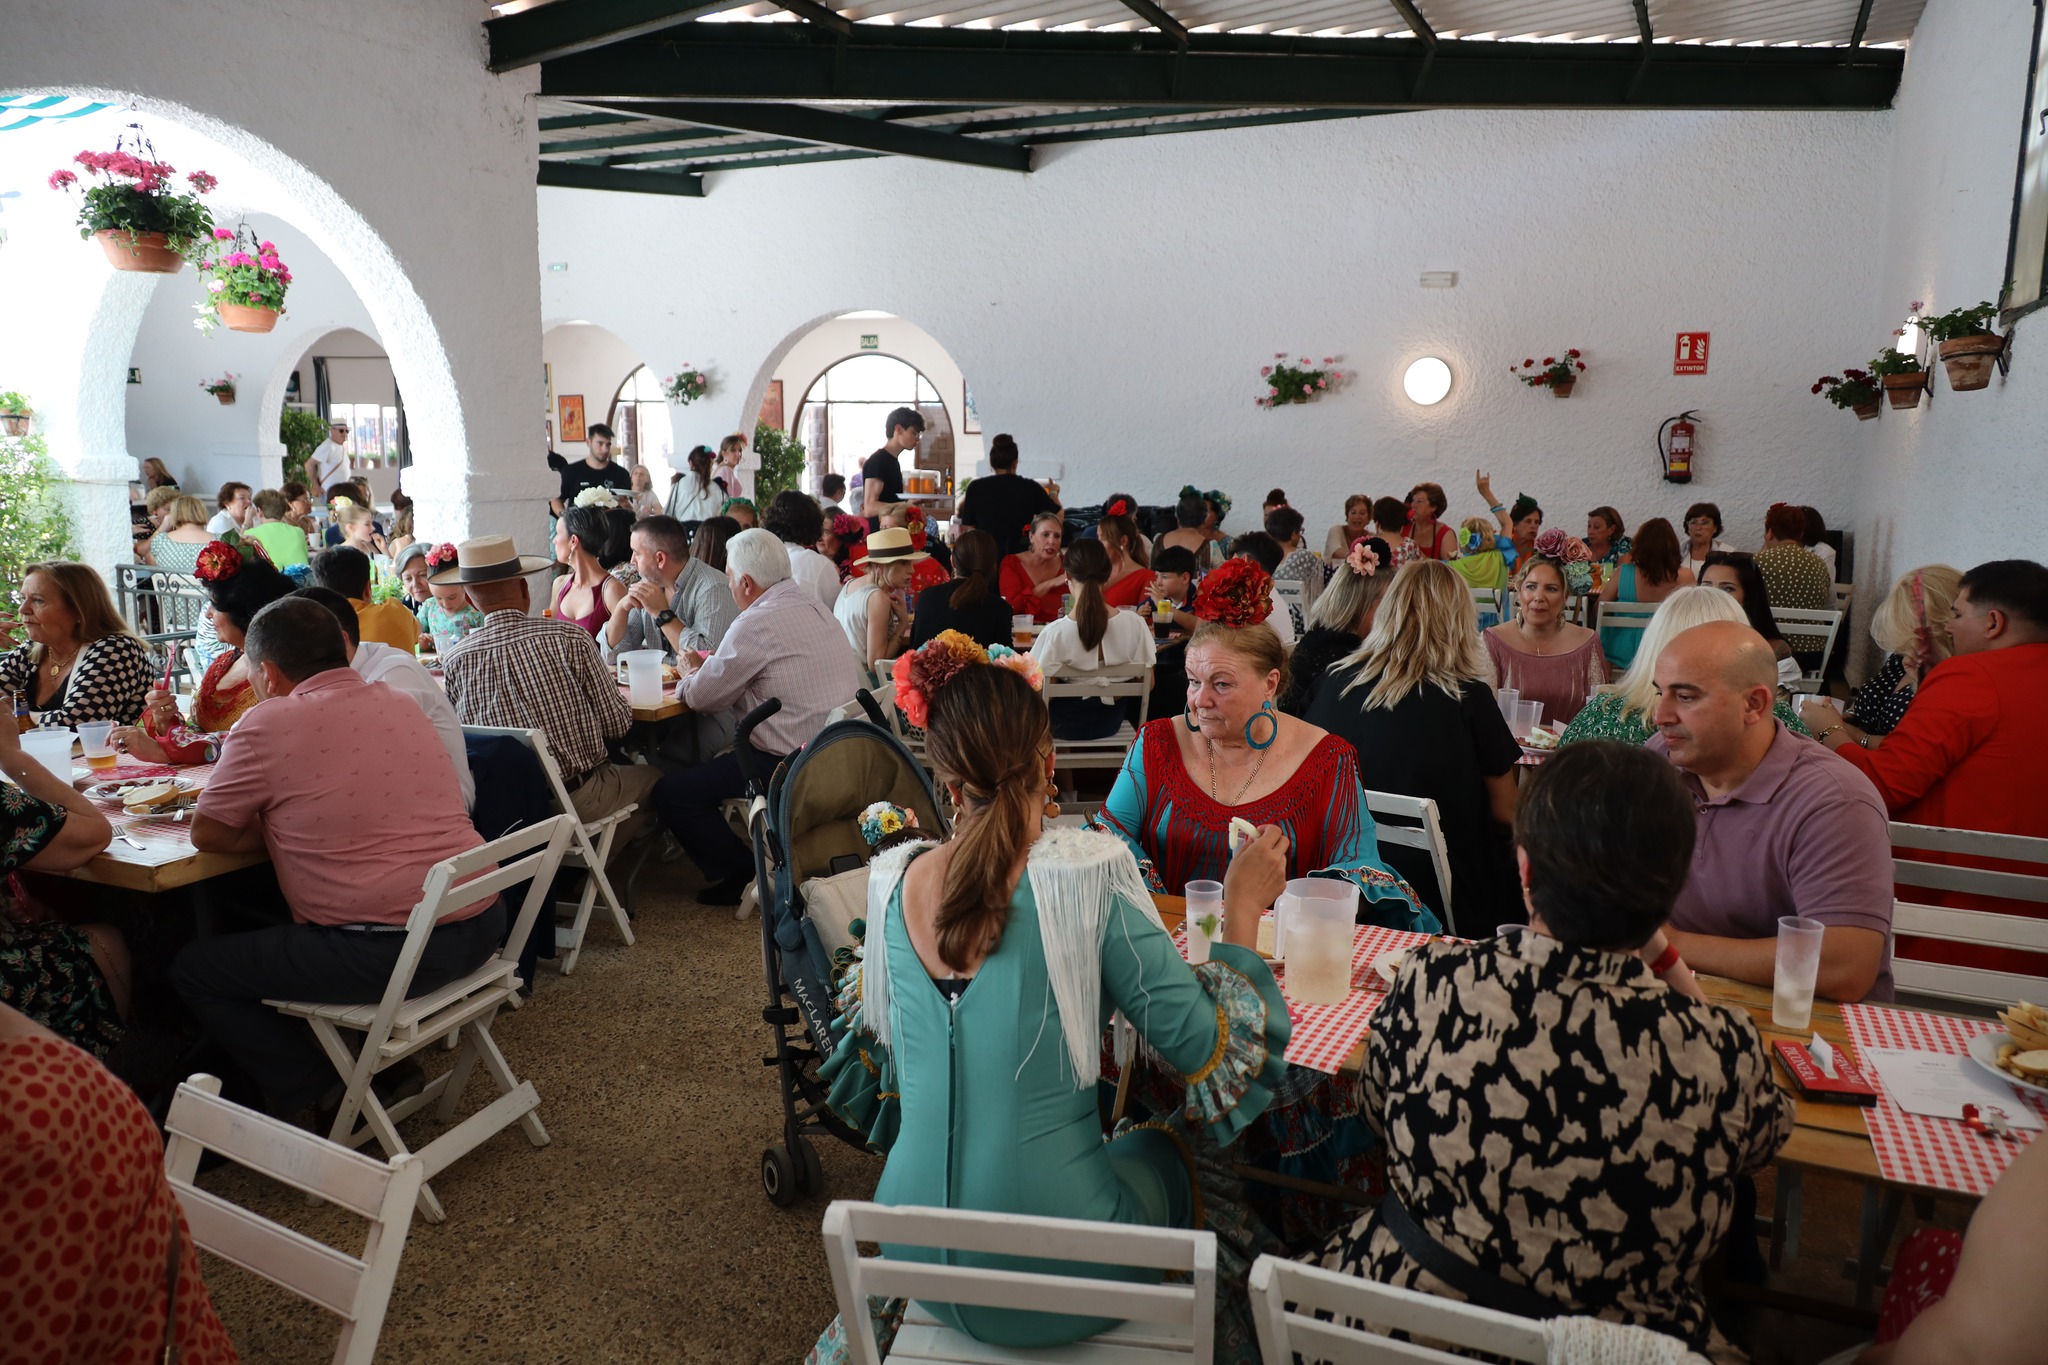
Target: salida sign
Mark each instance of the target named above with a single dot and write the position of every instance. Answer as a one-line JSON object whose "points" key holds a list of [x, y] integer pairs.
{"points": [[1690, 355]]}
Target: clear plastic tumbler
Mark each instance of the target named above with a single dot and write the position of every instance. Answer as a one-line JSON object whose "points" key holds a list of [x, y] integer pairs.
{"points": [[1205, 918], [1796, 971]]}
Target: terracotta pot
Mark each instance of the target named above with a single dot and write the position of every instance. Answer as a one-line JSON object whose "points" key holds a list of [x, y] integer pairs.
{"points": [[246, 317], [15, 423], [1969, 361], [147, 252], [226, 397], [1904, 389], [1562, 389], [1865, 411]]}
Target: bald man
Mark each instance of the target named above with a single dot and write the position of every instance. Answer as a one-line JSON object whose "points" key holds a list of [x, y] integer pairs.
{"points": [[1785, 827]]}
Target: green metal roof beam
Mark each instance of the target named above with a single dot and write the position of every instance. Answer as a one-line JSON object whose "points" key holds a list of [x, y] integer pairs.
{"points": [[563, 122], [1412, 17], [1198, 125], [597, 146], [842, 154], [1067, 120], [1862, 24], [694, 155], [1159, 19], [570, 175], [848, 130], [823, 16], [566, 27], [907, 66]]}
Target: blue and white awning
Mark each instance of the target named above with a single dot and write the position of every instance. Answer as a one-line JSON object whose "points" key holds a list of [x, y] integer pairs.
{"points": [[25, 111]]}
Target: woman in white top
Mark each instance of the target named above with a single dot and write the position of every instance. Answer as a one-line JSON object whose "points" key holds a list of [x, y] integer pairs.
{"points": [[1816, 527], [1702, 537], [1091, 635], [871, 607], [694, 496]]}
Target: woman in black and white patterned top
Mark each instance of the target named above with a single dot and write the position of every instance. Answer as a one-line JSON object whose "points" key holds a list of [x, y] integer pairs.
{"points": [[81, 662], [1564, 1131]]}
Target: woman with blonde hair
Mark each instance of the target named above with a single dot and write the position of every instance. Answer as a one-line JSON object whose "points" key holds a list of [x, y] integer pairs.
{"points": [[1624, 713], [1911, 627], [1339, 619], [1415, 702], [181, 535], [82, 661]]}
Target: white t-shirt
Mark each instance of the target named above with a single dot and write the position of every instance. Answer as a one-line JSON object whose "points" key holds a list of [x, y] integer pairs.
{"points": [[815, 572], [327, 463], [401, 672], [1827, 557], [223, 522], [1699, 566], [1126, 641], [685, 503]]}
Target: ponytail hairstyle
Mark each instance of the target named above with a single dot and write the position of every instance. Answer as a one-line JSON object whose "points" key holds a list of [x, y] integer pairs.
{"points": [[701, 459], [989, 733], [974, 559], [1087, 565], [1126, 531]]}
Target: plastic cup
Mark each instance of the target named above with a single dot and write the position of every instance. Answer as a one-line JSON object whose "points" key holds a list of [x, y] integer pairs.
{"points": [[643, 676], [1316, 919], [1527, 713], [1795, 972], [52, 749], [1508, 698], [1204, 900], [97, 739]]}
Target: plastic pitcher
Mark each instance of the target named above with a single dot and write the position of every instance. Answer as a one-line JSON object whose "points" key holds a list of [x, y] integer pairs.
{"points": [[1316, 917], [643, 676], [52, 749]]}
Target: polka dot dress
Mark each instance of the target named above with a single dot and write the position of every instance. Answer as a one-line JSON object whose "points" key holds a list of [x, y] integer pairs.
{"points": [[85, 1220]]}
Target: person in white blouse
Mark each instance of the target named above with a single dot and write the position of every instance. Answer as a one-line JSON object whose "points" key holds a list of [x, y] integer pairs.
{"points": [[237, 512], [1702, 536], [1091, 636], [799, 523], [693, 495], [329, 462]]}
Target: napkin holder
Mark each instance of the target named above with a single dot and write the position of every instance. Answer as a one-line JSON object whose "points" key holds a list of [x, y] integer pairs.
{"points": [[1846, 1086]]}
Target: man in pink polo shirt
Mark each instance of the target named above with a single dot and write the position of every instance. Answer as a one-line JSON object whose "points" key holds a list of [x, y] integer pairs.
{"points": [[1785, 827], [332, 776]]}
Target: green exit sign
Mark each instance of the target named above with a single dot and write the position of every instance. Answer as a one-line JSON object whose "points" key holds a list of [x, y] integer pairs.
{"points": [[870, 342]]}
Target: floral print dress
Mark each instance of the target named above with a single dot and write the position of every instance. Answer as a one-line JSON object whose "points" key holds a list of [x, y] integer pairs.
{"points": [[46, 969]]}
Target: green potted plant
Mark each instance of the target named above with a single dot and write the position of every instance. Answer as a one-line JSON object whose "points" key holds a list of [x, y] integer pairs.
{"points": [[245, 283], [1559, 374], [686, 386], [138, 216], [782, 461], [1856, 390], [1300, 383], [1966, 343], [222, 388], [15, 412], [1903, 377]]}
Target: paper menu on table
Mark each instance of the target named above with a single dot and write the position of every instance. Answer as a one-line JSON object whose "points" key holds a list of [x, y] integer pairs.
{"points": [[1939, 1084]]}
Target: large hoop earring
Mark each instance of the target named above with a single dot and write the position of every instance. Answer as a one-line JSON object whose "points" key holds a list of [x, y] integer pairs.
{"points": [[1266, 710], [1194, 728]]}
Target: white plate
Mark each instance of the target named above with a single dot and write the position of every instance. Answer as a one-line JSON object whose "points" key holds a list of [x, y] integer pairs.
{"points": [[1388, 964], [1984, 1052]]}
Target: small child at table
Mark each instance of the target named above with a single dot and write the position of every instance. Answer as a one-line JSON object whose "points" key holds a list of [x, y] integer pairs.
{"points": [[447, 615]]}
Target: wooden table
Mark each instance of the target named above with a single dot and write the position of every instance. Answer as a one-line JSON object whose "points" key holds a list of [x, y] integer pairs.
{"points": [[166, 858]]}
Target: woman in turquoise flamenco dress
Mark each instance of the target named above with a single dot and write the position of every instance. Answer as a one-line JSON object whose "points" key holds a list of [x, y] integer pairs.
{"points": [[993, 964]]}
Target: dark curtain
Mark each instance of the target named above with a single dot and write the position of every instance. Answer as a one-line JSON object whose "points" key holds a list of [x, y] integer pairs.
{"points": [[404, 437], [321, 396]]}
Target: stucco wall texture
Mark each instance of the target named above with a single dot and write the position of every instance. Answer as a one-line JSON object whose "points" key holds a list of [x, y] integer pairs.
{"points": [[1113, 308]]}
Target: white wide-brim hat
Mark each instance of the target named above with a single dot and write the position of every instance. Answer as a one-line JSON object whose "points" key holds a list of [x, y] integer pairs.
{"points": [[489, 559]]}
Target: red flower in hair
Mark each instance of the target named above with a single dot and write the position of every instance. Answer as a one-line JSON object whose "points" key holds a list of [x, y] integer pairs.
{"points": [[1238, 594], [1118, 507], [218, 561]]}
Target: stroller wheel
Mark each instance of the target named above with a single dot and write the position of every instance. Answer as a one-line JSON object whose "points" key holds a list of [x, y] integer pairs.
{"points": [[779, 1177], [810, 1172]]}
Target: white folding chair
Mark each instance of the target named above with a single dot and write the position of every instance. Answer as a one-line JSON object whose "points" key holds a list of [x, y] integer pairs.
{"points": [[1485, 600], [1626, 616], [1844, 594], [1113, 681], [1287, 1295], [589, 850], [1986, 928], [1160, 1322], [1427, 833], [394, 1028], [357, 1288], [1810, 624]]}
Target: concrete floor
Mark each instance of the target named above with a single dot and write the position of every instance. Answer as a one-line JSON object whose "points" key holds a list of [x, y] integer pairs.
{"points": [[641, 1233]]}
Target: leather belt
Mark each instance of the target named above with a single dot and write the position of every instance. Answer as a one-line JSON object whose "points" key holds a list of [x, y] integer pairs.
{"points": [[570, 784]]}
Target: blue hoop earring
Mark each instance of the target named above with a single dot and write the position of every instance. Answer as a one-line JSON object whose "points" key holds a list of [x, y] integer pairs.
{"points": [[1193, 727], [1266, 710]]}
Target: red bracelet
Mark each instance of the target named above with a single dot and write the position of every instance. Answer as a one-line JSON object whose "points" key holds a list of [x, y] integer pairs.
{"points": [[1666, 960]]}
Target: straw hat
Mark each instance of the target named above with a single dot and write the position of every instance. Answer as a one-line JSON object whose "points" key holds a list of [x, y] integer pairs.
{"points": [[891, 545], [487, 559]]}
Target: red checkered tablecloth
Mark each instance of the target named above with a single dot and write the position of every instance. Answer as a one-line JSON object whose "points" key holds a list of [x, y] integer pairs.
{"points": [[1324, 1035], [1918, 1149], [162, 829]]}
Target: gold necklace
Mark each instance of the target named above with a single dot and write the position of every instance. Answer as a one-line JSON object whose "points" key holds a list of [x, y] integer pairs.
{"points": [[1243, 786], [55, 669]]}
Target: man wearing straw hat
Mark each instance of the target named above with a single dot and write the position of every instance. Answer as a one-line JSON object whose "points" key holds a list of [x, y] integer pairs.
{"points": [[540, 674]]}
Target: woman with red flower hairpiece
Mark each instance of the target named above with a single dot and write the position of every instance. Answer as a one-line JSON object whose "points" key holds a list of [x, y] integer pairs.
{"points": [[981, 1106], [1129, 573], [240, 581]]}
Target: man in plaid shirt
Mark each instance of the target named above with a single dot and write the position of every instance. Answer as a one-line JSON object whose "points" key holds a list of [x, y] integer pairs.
{"points": [[785, 645]]}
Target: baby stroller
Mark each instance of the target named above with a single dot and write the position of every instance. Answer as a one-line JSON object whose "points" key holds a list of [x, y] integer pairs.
{"points": [[806, 830]]}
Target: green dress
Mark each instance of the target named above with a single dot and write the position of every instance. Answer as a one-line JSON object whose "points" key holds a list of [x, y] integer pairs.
{"points": [[1604, 718], [989, 1102]]}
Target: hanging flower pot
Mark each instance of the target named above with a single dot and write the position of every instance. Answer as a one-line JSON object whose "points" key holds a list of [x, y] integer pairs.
{"points": [[149, 253], [1558, 373], [226, 397], [1856, 390], [1969, 361], [245, 317], [1865, 411], [1904, 390], [1562, 388], [15, 423], [222, 388]]}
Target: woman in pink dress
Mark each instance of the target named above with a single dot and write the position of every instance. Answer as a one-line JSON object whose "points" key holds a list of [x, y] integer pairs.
{"points": [[1540, 654]]}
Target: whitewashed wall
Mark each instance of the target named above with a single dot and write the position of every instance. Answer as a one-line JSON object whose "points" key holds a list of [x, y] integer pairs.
{"points": [[1961, 480], [590, 361], [1113, 308], [833, 341]]}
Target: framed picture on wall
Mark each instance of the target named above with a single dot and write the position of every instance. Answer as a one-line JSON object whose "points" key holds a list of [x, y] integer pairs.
{"points": [[771, 405], [970, 416], [572, 416]]}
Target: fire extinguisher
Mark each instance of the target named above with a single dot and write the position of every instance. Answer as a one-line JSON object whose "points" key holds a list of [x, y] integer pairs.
{"points": [[1674, 446]]}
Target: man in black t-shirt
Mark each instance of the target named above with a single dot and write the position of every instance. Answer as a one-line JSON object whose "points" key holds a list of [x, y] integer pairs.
{"points": [[882, 475], [595, 470], [1003, 503]]}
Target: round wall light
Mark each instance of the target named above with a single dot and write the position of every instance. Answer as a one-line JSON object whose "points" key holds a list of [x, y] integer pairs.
{"points": [[1427, 381]]}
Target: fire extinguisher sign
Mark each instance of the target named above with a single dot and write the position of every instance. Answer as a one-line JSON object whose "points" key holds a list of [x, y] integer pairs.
{"points": [[1690, 355]]}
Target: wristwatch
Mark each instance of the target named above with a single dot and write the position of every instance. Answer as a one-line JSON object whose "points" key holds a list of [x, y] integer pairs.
{"points": [[666, 618]]}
